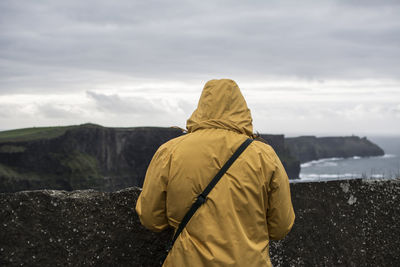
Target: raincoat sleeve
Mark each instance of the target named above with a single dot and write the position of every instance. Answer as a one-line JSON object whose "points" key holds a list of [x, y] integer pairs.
{"points": [[151, 204], [280, 214]]}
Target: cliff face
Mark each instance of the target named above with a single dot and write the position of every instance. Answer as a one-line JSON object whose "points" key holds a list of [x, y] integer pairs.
{"points": [[338, 223], [107, 159], [91, 156], [308, 148], [290, 162], [84, 157]]}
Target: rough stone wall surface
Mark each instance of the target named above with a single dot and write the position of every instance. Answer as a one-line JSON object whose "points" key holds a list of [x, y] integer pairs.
{"points": [[338, 223], [343, 223]]}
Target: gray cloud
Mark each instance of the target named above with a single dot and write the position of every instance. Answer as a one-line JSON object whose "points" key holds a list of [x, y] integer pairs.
{"points": [[142, 48], [193, 39], [115, 104]]}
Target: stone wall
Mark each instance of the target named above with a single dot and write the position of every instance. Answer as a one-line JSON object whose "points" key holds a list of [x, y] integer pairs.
{"points": [[338, 223]]}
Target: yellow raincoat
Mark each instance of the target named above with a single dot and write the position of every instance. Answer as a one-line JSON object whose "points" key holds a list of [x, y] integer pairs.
{"points": [[251, 203]]}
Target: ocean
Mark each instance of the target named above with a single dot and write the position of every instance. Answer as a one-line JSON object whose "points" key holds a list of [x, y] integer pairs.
{"points": [[382, 167]]}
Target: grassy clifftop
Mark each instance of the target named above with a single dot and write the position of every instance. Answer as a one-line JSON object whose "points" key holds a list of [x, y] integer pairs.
{"points": [[30, 134]]}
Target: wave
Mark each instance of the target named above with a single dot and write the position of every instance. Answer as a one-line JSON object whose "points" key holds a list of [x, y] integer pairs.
{"points": [[385, 156], [328, 161], [388, 156], [319, 161], [330, 176], [377, 176], [315, 177]]}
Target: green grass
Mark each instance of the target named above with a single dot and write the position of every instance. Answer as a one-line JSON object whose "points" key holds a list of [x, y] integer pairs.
{"points": [[12, 149], [6, 171], [28, 134], [81, 163], [35, 133], [82, 170]]}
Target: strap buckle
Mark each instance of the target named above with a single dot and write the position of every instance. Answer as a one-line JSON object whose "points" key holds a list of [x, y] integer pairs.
{"points": [[201, 199]]}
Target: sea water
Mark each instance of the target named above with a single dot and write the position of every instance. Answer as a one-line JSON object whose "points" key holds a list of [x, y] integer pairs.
{"points": [[386, 166]]}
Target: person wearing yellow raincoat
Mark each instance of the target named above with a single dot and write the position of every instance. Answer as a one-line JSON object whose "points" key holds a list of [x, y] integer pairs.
{"points": [[250, 205]]}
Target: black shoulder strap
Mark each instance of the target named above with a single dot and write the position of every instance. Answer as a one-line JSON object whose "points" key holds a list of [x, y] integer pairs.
{"points": [[203, 196]]}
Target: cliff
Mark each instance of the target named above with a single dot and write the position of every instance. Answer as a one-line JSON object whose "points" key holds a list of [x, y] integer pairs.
{"points": [[89, 156], [79, 157], [290, 162], [108, 159], [308, 148], [338, 223]]}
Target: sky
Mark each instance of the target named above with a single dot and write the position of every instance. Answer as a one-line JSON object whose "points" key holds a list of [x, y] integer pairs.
{"points": [[304, 67]]}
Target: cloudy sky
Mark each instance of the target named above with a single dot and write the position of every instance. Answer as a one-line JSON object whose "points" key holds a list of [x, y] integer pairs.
{"points": [[319, 67]]}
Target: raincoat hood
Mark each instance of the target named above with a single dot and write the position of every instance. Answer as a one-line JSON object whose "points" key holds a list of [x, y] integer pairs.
{"points": [[223, 106]]}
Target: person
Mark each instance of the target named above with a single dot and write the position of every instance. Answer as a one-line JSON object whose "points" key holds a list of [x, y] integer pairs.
{"points": [[250, 205]]}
